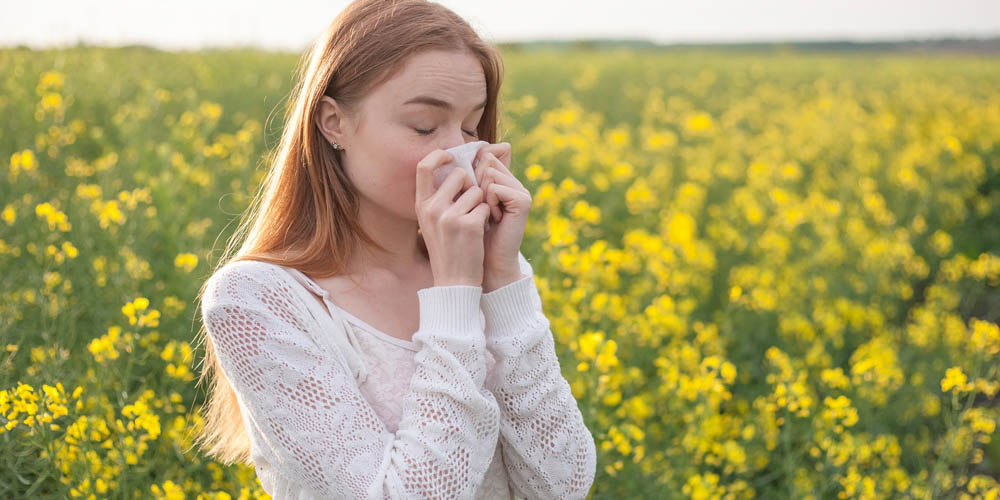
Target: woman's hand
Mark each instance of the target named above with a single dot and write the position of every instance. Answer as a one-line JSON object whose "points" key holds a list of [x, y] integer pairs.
{"points": [[509, 203], [452, 224]]}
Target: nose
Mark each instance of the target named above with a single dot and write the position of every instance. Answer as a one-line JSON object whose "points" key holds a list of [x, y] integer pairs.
{"points": [[454, 137]]}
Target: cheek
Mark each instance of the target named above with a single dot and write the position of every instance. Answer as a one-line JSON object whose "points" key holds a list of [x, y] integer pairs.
{"points": [[402, 184], [407, 166]]}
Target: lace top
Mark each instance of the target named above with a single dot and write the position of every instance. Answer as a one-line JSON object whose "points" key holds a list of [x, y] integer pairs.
{"points": [[475, 406], [390, 367]]}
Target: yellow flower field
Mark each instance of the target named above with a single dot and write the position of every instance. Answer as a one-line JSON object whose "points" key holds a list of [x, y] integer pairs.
{"points": [[768, 274]]}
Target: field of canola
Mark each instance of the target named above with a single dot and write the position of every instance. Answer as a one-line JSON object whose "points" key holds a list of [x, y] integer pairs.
{"points": [[768, 274]]}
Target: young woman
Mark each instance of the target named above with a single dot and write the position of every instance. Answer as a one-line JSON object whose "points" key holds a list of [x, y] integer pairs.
{"points": [[369, 338]]}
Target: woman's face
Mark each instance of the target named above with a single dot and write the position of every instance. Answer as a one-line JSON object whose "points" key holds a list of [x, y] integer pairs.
{"points": [[434, 102]]}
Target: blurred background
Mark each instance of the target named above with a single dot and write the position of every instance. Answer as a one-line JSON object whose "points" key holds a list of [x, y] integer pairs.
{"points": [[766, 235], [191, 24]]}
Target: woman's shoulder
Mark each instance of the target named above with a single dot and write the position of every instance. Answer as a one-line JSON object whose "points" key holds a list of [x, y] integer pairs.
{"points": [[245, 269], [239, 279]]}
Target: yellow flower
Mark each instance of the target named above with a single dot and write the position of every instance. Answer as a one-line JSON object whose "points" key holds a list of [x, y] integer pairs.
{"points": [[8, 215], [169, 491], [107, 212], [50, 80], [70, 250], [186, 261], [699, 122], [985, 336], [955, 378], [640, 411], [142, 415], [586, 212], [607, 359], [980, 421], [953, 145], [941, 242], [55, 218], [180, 372], [210, 110], [104, 348], [639, 196], [681, 229], [51, 101], [23, 160], [88, 191], [561, 231], [728, 372], [133, 310], [536, 172], [622, 171], [659, 140], [588, 344]]}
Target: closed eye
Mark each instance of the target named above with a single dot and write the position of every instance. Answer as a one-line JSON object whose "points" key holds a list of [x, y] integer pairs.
{"points": [[427, 132]]}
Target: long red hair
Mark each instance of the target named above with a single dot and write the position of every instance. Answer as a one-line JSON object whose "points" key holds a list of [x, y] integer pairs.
{"points": [[305, 213]]}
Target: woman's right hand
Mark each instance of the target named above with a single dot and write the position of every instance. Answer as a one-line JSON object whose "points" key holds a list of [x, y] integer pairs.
{"points": [[453, 228]]}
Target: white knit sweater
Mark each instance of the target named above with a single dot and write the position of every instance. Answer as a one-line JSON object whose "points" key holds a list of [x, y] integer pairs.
{"points": [[486, 408]]}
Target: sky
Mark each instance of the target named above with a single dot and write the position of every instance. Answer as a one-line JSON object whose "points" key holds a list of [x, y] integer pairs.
{"points": [[293, 24]]}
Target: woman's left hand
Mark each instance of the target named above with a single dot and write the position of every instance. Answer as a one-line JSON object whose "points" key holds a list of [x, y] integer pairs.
{"points": [[509, 203]]}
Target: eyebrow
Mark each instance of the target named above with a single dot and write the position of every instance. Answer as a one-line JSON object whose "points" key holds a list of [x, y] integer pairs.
{"points": [[433, 101]]}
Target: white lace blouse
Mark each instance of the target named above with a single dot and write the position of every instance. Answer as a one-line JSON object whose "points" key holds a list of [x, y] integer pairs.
{"points": [[475, 406]]}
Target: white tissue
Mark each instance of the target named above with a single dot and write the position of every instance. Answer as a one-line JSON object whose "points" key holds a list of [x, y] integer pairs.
{"points": [[463, 156]]}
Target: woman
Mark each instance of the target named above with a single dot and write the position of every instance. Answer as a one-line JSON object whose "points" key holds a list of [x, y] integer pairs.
{"points": [[370, 339]]}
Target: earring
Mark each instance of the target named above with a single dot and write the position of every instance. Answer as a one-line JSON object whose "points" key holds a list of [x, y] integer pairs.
{"points": [[336, 145]]}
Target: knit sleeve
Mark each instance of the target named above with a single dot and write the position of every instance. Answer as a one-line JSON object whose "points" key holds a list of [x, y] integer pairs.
{"points": [[547, 449], [313, 423]]}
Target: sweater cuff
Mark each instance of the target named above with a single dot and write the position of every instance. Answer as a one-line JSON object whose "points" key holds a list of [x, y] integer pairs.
{"points": [[510, 308], [450, 309]]}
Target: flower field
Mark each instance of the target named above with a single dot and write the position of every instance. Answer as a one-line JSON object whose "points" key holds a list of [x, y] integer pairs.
{"points": [[768, 274]]}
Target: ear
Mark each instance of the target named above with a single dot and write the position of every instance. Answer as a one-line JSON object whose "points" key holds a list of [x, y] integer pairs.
{"points": [[330, 120]]}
